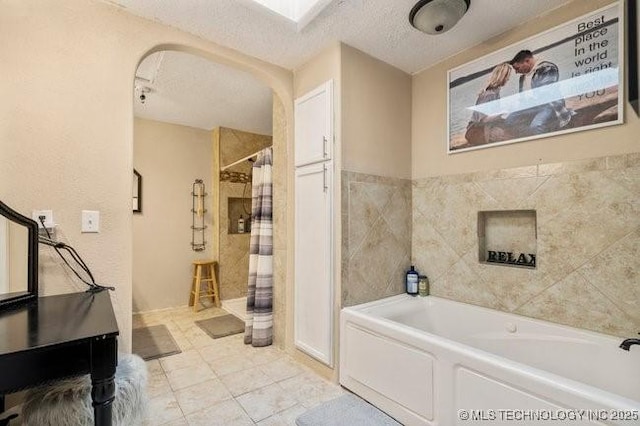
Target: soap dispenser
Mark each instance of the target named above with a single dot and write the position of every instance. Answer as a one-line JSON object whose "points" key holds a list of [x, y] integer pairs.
{"points": [[241, 225], [411, 281]]}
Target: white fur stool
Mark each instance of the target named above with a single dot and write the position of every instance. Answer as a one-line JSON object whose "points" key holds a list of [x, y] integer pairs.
{"points": [[68, 402]]}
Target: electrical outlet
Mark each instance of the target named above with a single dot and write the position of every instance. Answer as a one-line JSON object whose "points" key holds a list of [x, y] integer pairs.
{"points": [[90, 221], [48, 218]]}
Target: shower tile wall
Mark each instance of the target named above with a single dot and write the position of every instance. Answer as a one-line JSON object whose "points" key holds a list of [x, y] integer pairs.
{"points": [[588, 224], [234, 248], [236, 144], [376, 236]]}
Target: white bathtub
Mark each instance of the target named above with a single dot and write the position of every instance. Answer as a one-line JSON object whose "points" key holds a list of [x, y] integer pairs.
{"points": [[423, 360]]}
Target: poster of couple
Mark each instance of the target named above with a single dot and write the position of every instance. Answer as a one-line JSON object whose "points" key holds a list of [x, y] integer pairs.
{"points": [[563, 80]]}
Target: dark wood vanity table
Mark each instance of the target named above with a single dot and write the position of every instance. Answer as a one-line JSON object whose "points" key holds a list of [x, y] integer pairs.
{"points": [[60, 336]]}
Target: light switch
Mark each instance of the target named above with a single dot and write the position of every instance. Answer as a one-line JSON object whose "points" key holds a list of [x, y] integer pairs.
{"points": [[90, 221]]}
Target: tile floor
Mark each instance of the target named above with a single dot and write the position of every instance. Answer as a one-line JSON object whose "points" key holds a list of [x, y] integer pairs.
{"points": [[225, 382]]}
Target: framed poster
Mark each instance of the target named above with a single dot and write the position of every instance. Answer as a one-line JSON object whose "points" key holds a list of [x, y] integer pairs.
{"points": [[566, 79]]}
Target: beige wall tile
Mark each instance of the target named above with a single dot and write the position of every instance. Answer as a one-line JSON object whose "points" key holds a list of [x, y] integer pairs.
{"points": [[430, 252], [462, 284], [623, 161], [573, 301], [580, 166], [588, 220], [513, 173], [616, 272], [376, 237], [511, 193], [234, 248], [236, 144]]}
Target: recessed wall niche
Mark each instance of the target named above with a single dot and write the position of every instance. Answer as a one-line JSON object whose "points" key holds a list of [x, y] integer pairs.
{"points": [[237, 208], [508, 238]]}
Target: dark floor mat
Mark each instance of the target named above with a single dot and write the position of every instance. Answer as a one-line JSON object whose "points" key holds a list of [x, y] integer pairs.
{"points": [[224, 325], [154, 342]]}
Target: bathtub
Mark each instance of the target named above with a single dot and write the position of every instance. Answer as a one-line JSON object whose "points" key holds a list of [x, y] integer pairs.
{"points": [[432, 361]]}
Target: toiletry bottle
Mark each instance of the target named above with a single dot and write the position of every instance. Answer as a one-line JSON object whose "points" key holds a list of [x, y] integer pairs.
{"points": [[412, 281], [241, 225], [423, 285]]}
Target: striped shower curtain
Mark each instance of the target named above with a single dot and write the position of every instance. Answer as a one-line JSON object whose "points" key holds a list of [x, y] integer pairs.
{"points": [[259, 323]]}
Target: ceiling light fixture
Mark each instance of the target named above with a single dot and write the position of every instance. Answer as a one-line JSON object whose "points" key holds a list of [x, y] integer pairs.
{"points": [[437, 16]]}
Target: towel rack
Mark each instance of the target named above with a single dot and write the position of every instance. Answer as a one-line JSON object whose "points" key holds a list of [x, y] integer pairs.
{"points": [[198, 242]]}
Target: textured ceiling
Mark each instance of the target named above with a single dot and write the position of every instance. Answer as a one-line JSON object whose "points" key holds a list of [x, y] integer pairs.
{"points": [[196, 92], [377, 27]]}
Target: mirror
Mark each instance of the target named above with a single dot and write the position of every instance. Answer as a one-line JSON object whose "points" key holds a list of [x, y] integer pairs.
{"points": [[18, 257]]}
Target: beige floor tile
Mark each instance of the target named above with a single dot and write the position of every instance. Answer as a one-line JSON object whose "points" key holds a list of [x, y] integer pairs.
{"points": [[281, 369], [178, 422], [184, 323], [218, 351], [310, 389], [137, 321], [265, 355], [172, 327], [182, 360], [284, 418], [226, 413], [185, 377], [254, 385], [194, 332], [163, 409], [245, 381], [201, 396], [233, 339], [199, 342], [152, 318], [183, 343], [266, 401], [231, 364], [154, 367], [158, 385]]}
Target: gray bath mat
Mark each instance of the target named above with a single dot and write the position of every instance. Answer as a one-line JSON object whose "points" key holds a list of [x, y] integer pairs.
{"points": [[154, 342], [224, 325], [345, 410]]}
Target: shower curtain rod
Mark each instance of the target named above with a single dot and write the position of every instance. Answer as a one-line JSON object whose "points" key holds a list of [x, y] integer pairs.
{"points": [[243, 159]]}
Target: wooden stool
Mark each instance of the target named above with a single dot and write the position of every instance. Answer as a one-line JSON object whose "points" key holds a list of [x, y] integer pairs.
{"points": [[212, 283]]}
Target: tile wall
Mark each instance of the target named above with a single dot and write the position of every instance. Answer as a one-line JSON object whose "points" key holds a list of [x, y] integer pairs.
{"points": [[376, 236], [588, 240], [234, 248]]}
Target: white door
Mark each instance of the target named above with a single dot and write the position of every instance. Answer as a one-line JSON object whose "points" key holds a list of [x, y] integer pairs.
{"points": [[313, 322], [314, 126]]}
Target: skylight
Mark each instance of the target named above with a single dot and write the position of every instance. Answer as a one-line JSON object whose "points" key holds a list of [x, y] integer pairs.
{"points": [[299, 11]]}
